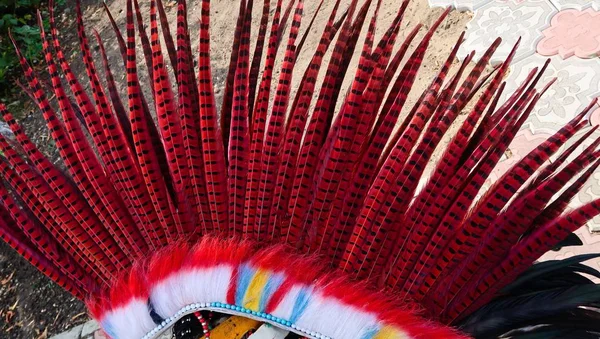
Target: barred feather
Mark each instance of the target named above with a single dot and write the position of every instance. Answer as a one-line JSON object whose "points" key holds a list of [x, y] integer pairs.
{"points": [[341, 185]]}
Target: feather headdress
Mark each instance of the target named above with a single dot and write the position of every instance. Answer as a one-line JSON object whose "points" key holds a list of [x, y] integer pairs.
{"points": [[310, 209]]}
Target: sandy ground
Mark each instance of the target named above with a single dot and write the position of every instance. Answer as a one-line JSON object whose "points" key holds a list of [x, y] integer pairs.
{"points": [[223, 15], [30, 321]]}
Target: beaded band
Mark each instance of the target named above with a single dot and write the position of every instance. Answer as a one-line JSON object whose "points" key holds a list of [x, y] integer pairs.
{"points": [[204, 324], [232, 310]]}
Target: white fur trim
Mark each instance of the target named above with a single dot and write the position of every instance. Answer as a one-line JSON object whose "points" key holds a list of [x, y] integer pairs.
{"points": [[130, 321], [334, 319], [191, 286]]}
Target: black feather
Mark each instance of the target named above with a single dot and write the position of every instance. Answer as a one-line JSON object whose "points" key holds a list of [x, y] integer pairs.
{"points": [[505, 313], [571, 240], [546, 267]]}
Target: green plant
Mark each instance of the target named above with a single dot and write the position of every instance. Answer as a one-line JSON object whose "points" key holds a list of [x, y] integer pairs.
{"points": [[19, 18]]}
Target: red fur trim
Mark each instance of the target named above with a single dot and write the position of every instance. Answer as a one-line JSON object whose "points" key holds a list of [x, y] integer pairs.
{"points": [[167, 261], [303, 270]]}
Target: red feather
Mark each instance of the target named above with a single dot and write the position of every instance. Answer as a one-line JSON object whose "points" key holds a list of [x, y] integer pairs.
{"points": [[239, 135], [188, 111], [11, 235], [275, 132], [295, 130], [210, 134], [259, 116]]}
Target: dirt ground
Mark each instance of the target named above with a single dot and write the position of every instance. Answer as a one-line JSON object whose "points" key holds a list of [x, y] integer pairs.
{"points": [[33, 307]]}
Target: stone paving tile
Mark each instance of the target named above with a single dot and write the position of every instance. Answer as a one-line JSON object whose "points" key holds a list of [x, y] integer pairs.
{"points": [[461, 5], [509, 20], [441, 3], [88, 330], [469, 5], [572, 33], [74, 333], [578, 82], [576, 4], [91, 330]]}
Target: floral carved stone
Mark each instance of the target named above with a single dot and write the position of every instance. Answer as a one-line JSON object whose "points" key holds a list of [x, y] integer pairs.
{"points": [[441, 3], [576, 4], [509, 20], [572, 33], [577, 83]]}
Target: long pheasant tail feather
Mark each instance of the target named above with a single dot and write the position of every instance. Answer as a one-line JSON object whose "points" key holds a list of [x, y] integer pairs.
{"points": [[45, 192], [227, 104], [522, 256], [361, 157], [39, 236], [275, 132], [35, 245], [57, 181], [116, 30], [146, 47], [458, 211], [383, 128], [342, 151], [349, 39], [52, 213], [153, 211], [371, 65], [350, 46], [348, 201], [418, 231], [444, 290], [239, 130], [558, 206], [525, 167], [284, 20], [315, 136], [188, 111], [295, 129], [404, 81], [484, 126], [86, 170], [463, 187], [176, 207], [117, 104], [511, 225], [210, 133], [259, 123], [257, 56], [413, 169], [168, 38], [496, 197], [40, 259], [310, 25], [554, 165], [151, 127]]}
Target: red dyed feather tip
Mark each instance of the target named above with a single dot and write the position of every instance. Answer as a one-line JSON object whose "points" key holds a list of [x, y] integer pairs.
{"points": [[167, 205]]}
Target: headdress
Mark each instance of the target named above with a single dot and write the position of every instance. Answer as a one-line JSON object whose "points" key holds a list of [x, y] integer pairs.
{"points": [[332, 210]]}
